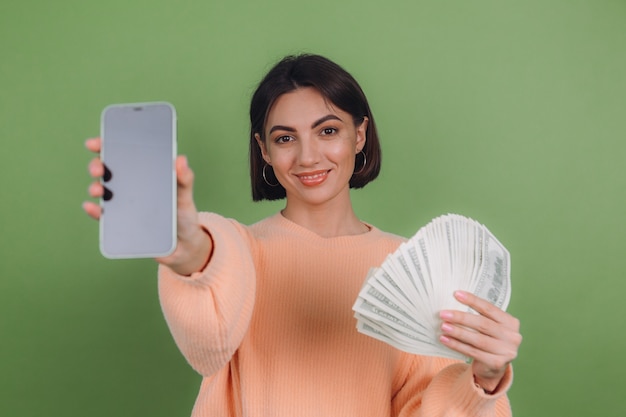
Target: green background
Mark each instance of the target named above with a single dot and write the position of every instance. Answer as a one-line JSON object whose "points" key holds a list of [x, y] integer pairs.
{"points": [[511, 112]]}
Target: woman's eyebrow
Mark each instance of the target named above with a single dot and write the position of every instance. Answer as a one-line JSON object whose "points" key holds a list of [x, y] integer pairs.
{"points": [[324, 119], [280, 127], [313, 126]]}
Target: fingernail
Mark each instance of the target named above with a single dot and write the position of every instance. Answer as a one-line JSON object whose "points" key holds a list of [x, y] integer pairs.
{"points": [[460, 295], [446, 327], [444, 339], [445, 314]]}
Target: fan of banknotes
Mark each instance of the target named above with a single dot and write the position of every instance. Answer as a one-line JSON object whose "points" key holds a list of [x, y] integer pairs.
{"points": [[401, 299]]}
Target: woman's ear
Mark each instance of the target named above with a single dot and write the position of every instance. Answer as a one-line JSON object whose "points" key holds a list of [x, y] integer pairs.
{"points": [[361, 134], [261, 144]]}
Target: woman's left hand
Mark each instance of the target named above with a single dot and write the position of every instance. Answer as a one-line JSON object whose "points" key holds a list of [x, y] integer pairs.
{"points": [[490, 337]]}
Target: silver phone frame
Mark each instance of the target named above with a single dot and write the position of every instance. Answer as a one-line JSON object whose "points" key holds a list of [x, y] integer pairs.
{"points": [[173, 227]]}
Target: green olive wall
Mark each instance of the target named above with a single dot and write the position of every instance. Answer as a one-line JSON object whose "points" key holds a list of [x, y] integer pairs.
{"points": [[513, 113]]}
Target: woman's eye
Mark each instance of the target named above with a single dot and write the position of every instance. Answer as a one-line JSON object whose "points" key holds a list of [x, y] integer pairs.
{"points": [[329, 131], [282, 139]]}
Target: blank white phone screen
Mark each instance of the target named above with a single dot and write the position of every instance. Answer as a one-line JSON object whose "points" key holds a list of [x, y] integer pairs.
{"points": [[139, 207]]}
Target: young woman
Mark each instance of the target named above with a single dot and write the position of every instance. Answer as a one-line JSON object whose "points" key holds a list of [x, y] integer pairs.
{"points": [[264, 312]]}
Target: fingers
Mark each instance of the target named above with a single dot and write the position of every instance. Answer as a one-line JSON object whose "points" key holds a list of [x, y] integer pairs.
{"points": [[94, 144], [184, 178], [481, 339], [486, 309], [92, 209], [96, 170], [490, 337], [184, 174], [96, 190], [187, 216], [490, 321]]}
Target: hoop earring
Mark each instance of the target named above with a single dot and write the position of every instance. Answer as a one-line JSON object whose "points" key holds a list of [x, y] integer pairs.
{"points": [[265, 178], [364, 163]]}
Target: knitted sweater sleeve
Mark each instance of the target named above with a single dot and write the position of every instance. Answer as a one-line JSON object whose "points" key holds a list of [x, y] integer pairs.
{"points": [[208, 312], [438, 387]]}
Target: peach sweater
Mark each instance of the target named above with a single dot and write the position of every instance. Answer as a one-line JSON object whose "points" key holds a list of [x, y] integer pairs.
{"points": [[269, 325]]}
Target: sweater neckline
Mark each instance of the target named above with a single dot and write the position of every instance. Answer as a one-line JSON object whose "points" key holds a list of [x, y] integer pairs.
{"points": [[284, 222]]}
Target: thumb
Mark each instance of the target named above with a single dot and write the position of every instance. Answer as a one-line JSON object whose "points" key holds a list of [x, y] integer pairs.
{"points": [[184, 178]]}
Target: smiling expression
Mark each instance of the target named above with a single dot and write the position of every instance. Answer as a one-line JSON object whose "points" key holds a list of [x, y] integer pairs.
{"points": [[311, 145]]}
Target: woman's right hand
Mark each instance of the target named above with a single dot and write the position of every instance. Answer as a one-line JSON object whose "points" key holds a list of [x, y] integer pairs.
{"points": [[194, 245]]}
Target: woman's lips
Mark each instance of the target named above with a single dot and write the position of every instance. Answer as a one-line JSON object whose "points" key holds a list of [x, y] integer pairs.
{"points": [[311, 179]]}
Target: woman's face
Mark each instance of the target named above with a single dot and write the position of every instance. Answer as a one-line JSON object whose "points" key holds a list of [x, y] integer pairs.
{"points": [[311, 145]]}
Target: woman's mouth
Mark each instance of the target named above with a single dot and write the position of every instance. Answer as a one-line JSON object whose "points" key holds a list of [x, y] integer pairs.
{"points": [[311, 179]]}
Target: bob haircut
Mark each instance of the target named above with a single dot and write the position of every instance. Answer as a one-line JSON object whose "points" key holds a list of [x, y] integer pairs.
{"points": [[338, 87]]}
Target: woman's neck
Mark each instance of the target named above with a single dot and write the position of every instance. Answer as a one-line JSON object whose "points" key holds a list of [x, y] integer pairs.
{"points": [[326, 220]]}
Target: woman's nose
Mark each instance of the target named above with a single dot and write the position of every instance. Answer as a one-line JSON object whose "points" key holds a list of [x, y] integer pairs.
{"points": [[309, 152]]}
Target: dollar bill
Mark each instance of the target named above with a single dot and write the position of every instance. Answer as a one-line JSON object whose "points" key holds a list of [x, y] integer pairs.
{"points": [[400, 300]]}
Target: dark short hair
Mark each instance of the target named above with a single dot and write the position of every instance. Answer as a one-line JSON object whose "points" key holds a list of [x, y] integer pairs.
{"points": [[338, 87]]}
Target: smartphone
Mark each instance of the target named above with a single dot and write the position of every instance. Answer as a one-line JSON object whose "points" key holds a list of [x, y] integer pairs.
{"points": [[139, 204]]}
